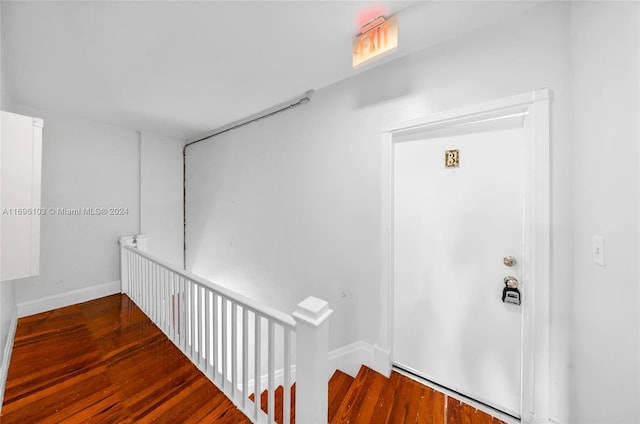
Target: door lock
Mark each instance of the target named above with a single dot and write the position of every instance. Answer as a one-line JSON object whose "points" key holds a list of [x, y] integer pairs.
{"points": [[509, 261], [510, 293], [511, 282]]}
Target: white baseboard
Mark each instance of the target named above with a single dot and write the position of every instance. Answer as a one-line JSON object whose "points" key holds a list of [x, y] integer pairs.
{"points": [[69, 298], [350, 358], [382, 361], [6, 357]]}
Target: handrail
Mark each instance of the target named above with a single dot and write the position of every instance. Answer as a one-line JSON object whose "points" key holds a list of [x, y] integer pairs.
{"points": [[242, 346], [279, 316]]}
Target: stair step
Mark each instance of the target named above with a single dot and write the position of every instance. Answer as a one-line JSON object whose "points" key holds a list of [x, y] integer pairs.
{"points": [[374, 399], [371, 398], [339, 386], [460, 412], [414, 402], [359, 404], [385, 402]]}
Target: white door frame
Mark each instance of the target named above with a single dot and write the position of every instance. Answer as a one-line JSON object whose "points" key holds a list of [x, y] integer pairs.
{"points": [[536, 270]]}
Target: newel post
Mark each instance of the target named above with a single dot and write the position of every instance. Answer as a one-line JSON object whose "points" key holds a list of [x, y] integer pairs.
{"points": [[312, 360], [124, 266], [138, 241]]}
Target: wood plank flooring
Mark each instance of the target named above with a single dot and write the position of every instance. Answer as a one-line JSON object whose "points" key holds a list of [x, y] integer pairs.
{"points": [[373, 398], [104, 361]]}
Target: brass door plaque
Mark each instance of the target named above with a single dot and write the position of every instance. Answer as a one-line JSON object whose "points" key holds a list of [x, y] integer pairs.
{"points": [[452, 158]]}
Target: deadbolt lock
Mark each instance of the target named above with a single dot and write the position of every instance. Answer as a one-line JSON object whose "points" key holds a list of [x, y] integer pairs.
{"points": [[509, 261]]}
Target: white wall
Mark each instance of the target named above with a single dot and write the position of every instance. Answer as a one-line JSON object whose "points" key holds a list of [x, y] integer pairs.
{"points": [[7, 289], [161, 196], [84, 165], [606, 48], [6, 101], [290, 206]]}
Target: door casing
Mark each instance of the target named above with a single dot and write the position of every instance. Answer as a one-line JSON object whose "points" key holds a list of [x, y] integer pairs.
{"points": [[535, 276]]}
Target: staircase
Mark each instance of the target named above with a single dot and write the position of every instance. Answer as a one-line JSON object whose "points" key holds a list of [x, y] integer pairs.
{"points": [[371, 398]]}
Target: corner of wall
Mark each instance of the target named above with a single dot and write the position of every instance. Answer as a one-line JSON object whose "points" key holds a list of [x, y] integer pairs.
{"points": [[351, 357], [6, 355]]}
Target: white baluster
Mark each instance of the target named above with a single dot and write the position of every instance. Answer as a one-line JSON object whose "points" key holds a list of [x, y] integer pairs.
{"points": [[163, 300], [131, 272], [286, 399], [245, 357], [147, 288], [207, 308], [153, 280], [173, 296], [192, 322], [271, 392], [183, 313], [257, 373], [199, 300], [216, 338], [234, 347], [225, 346]]}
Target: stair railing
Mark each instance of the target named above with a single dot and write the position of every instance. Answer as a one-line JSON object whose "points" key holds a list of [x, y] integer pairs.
{"points": [[242, 346]]}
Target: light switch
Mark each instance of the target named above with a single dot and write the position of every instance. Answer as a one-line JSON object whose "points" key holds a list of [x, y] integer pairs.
{"points": [[598, 250]]}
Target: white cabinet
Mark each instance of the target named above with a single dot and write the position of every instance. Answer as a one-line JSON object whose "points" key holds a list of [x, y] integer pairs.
{"points": [[20, 212]]}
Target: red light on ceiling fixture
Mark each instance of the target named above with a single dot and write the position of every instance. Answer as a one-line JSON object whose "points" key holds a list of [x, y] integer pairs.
{"points": [[370, 14], [372, 24]]}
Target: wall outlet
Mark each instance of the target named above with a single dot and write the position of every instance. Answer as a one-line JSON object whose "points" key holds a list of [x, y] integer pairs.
{"points": [[598, 250]]}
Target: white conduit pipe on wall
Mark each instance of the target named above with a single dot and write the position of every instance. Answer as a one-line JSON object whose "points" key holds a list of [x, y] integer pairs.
{"points": [[282, 107]]}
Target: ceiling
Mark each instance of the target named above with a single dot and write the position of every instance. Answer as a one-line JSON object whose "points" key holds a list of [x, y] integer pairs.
{"points": [[183, 69]]}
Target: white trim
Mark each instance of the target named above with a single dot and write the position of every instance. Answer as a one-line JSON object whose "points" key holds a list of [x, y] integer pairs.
{"points": [[36, 189], [535, 379], [350, 358], [469, 112], [535, 343], [6, 357], [381, 360], [66, 299]]}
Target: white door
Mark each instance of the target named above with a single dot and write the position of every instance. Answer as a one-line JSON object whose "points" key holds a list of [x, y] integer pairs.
{"points": [[452, 228]]}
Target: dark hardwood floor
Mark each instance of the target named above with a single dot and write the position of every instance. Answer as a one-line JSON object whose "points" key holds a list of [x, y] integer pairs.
{"points": [[104, 361], [371, 398]]}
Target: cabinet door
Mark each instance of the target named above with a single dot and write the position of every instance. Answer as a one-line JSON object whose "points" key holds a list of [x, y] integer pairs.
{"points": [[20, 158]]}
